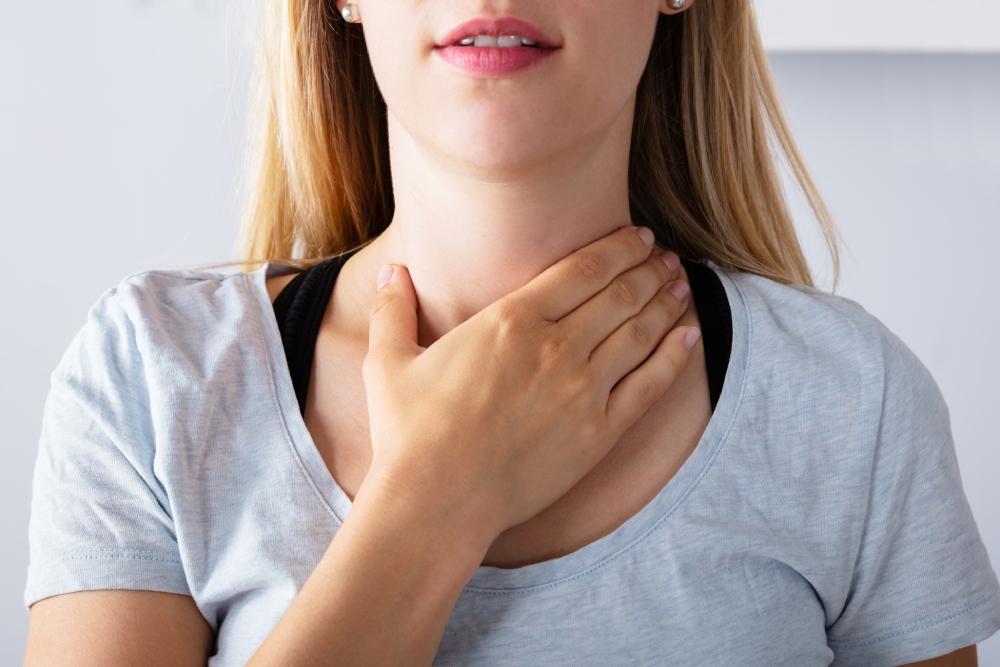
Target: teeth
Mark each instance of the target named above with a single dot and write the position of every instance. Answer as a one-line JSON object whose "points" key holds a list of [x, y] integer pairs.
{"points": [[504, 41]]}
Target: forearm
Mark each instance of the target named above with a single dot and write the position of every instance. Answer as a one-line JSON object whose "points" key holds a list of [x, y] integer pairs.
{"points": [[383, 592]]}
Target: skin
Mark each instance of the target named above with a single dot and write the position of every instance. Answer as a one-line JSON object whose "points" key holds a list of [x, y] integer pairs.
{"points": [[494, 180]]}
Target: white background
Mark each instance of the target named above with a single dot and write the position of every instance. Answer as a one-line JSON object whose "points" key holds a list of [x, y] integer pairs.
{"points": [[120, 139], [881, 25]]}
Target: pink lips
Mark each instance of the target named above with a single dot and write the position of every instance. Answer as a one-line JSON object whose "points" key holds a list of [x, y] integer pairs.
{"points": [[493, 61]]}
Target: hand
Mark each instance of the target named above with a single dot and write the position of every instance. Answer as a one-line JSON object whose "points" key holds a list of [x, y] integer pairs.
{"points": [[505, 413]]}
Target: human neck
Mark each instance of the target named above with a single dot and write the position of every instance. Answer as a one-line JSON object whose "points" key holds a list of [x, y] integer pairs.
{"points": [[469, 240]]}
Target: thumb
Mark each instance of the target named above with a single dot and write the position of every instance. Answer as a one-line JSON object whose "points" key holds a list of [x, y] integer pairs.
{"points": [[392, 327]]}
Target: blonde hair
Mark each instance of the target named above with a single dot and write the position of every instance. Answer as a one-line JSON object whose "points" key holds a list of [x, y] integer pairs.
{"points": [[708, 140]]}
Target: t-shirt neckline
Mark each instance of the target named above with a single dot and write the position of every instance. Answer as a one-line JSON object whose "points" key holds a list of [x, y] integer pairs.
{"points": [[536, 576]]}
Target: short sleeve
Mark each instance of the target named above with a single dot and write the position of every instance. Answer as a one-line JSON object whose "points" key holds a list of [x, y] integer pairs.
{"points": [[922, 585], [100, 519]]}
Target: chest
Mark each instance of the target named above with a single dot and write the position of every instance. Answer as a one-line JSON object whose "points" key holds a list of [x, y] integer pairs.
{"points": [[640, 464], [649, 608], [686, 595]]}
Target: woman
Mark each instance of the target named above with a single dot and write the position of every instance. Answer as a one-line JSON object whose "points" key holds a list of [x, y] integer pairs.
{"points": [[543, 463]]}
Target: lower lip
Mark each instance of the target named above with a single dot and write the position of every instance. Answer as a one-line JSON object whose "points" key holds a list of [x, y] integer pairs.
{"points": [[493, 60]]}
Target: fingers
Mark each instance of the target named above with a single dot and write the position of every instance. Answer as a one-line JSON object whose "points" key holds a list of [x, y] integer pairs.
{"points": [[635, 339], [640, 389], [624, 297], [571, 281], [392, 330]]}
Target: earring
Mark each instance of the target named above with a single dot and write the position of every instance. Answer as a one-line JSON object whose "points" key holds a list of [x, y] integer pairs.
{"points": [[677, 4], [352, 14]]}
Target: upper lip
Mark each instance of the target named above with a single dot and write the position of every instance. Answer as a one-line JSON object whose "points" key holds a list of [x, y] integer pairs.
{"points": [[496, 27]]}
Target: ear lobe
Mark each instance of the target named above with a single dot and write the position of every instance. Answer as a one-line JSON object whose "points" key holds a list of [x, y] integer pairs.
{"points": [[670, 7], [349, 11]]}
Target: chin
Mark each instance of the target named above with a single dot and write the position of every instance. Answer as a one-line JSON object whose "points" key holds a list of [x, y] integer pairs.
{"points": [[491, 158], [504, 142]]}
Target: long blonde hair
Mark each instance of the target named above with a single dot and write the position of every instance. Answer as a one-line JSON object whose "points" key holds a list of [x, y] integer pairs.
{"points": [[708, 139]]}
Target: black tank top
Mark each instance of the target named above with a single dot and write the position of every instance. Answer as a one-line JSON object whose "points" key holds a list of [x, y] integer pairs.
{"points": [[300, 306]]}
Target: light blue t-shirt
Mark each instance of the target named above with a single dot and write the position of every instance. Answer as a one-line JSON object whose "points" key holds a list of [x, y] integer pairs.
{"points": [[820, 520]]}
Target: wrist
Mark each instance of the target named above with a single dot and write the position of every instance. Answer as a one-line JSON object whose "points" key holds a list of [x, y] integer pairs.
{"points": [[467, 532], [385, 588]]}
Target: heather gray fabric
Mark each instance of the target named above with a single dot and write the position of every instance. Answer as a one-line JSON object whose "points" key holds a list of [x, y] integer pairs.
{"points": [[821, 519]]}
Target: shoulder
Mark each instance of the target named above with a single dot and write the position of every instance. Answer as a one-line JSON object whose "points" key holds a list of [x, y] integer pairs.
{"points": [[153, 319], [803, 313], [821, 361], [175, 296], [829, 330], [186, 306]]}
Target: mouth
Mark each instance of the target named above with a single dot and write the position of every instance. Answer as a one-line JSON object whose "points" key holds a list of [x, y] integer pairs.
{"points": [[485, 48], [498, 41], [503, 33]]}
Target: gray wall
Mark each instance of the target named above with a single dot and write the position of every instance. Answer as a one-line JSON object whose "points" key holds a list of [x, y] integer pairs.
{"points": [[119, 145], [880, 25]]}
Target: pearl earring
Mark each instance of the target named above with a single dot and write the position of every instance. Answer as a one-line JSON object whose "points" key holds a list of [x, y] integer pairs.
{"points": [[352, 14], [677, 4]]}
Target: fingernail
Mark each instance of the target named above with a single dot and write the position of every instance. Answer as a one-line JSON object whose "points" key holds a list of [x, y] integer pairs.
{"points": [[384, 276], [647, 236], [671, 260], [691, 338], [680, 289]]}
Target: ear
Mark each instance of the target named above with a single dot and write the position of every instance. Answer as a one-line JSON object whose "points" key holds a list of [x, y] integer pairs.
{"points": [[340, 4], [675, 6]]}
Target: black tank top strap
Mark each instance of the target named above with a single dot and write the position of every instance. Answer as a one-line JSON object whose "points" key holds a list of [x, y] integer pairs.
{"points": [[299, 309], [301, 304], [716, 321]]}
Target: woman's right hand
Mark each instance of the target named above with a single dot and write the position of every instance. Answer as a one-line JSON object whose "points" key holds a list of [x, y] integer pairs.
{"points": [[504, 414], [476, 433]]}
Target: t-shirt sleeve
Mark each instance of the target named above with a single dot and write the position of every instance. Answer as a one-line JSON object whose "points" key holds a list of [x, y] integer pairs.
{"points": [[100, 518], [922, 584]]}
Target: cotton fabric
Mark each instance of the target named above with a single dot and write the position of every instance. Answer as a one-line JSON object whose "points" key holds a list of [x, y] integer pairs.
{"points": [[820, 520]]}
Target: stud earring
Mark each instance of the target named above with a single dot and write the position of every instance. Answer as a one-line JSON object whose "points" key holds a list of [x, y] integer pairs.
{"points": [[352, 14], [677, 4]]}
